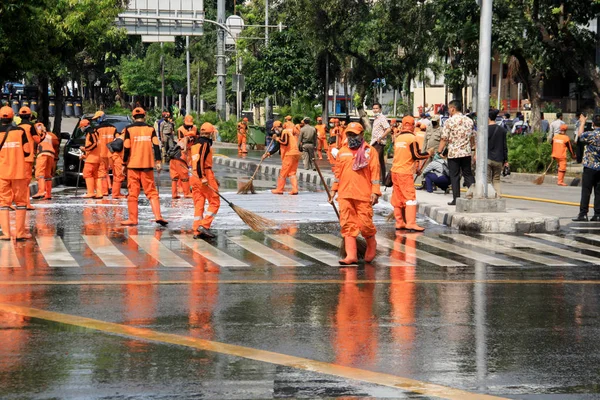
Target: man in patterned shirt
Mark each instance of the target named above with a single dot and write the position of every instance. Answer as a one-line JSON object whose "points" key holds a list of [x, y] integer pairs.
{"points": [[381, 129], [457, 133], [591, 168]]}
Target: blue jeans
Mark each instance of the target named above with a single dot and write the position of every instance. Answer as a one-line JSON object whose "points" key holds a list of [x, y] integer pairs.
{"points": [[440, 181]]}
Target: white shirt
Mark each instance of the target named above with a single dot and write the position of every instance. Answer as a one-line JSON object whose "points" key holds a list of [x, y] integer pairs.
{"points": [[380, 125]]}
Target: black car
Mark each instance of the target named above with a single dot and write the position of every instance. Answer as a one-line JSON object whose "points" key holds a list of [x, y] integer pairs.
{"points": [[76, 140]]}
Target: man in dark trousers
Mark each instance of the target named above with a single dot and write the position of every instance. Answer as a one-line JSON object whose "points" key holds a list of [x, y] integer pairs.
{"points": [[591, 168], [497, 152], [308, 141]]}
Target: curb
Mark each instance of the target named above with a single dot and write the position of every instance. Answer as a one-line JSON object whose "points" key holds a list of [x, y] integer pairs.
{"points": [[478, 223]]}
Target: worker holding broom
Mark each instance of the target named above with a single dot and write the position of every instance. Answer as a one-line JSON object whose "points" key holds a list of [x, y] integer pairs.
{"points": [[106, 134], [44, 164], [560, 144], [357, 187], [321, 137], [204, 183], [242, 135], [290, 156], [91, 155]]}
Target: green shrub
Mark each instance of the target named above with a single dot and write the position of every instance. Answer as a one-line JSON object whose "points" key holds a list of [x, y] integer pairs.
{"points": [[527, 153], [116, 109]]}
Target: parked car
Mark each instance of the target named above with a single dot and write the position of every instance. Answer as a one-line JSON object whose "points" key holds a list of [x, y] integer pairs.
{"points": [[72, 166]]}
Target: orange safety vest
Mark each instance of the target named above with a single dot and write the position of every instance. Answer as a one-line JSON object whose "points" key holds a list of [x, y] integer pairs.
{"points": [[288, 146], [321, 131], [92, 150], [106, 134], [202, 156], [141, 146], [288, 125], [184, 131], [560, 144], [357, 185], [48, 145], [32, 137], [406, 152], [242, 128], [14, 153]]}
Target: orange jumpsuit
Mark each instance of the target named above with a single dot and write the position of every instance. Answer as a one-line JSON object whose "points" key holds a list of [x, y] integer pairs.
{"points": [[242, 134], [341, 135], [33, 138], [106, 134], [354, 191], [321, 139], [14, 177], [44, 164], [560, 144], [92, 157], [117, 162], [290, 156], [420, 137], [178, 168], [407, 154], [187, 131], [288, 125], [202, 163], [333, 141]]}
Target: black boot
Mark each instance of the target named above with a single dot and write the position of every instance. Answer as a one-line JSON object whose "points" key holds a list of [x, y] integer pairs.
{"points": [[595, 218], [580, 218]]}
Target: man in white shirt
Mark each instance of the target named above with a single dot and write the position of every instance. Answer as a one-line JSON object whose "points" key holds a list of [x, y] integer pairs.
{"points": [[381, 129], [555, 127]]}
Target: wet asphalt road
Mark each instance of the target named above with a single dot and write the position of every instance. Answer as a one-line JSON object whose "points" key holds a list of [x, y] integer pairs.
{"points": [[514, 317]]}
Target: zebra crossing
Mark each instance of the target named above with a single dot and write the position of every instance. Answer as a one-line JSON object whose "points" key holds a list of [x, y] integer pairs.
{"points": [[239, 251]]}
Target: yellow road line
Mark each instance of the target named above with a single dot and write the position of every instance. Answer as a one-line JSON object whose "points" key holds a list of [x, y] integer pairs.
{"points": [[539, 199], [304, 282], [377, 378]]}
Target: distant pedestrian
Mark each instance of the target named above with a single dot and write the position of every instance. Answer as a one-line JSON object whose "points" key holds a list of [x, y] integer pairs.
{"points": [[381, 129], [544, 125], [436, 173], [497, 152], [554, 128], [457, 134], [560, 144], [308, 142], [591, 168], [434, 134]]}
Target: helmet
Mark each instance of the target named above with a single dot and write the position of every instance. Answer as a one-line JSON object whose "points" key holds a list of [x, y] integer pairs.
{"points": [[138, 112], [288, 118], [277, 124], [408, 124], [564, 127], [25, 111], [207, 127], [6, 113], [355, 127], [188, 120], [245, 119], [99, 114], [84, 123]]}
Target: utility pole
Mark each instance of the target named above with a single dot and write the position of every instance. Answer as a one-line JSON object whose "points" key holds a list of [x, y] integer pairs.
{"points": [[483, 97], [500, 73], [267, 100], [221, 73], [162, 78], [188, 97]]}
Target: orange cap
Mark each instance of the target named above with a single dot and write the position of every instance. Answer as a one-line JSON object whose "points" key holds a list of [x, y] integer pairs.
{"points": [[207, 127], [84, 122], [188, 120], [138, 112], [288, 118], [6, 113], [99, 114], [355, 127], [245, 119], [564, 127], [408, 124], [277, 124], [25, 111]]}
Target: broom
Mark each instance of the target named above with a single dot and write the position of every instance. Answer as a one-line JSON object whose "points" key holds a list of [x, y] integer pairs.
{"points": [[540, 179], [361, 245], [249, 187], [254, 221]]}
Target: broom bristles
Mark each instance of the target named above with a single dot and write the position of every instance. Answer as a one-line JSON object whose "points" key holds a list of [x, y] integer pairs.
{"points": [[361, 248], [248, 188], [390, 217], [254, 221], [539, 180]]}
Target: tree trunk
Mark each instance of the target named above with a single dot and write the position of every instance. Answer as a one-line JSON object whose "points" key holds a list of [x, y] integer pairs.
{"points": [[406, 88], [43, 101], [346, 96], [57, 87], [362, 92], [534, 91], [326, 94]]}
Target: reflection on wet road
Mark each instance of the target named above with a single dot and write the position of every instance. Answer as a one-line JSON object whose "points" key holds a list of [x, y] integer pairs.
{"points": [[270, 315]]}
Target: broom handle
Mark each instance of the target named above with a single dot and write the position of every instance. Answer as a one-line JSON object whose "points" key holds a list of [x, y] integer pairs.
{"points": [[78, 175], [258, 166], [230, 204], [549, 165], [326, 187]]}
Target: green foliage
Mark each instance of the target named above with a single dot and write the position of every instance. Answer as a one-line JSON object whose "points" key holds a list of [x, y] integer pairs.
{"points": [[228, 130], [551, 108], [116, 109], [527, 153]]}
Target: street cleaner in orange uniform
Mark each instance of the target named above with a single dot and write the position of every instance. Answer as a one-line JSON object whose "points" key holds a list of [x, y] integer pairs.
{"points": [[560, 144], [178, 165], [242, 135], [407, 154], [91, 155], [106, 134], [333, 139], [357, 187], [34, 139], [288, 124], [203, 177], [290, 156], [45, 161], [141, 155], [188, 129], [321, 137], [115, 148], [15, 148]]}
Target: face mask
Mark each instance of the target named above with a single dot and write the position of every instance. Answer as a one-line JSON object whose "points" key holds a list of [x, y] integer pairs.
{"points": [[376, 114], [355, 142]]}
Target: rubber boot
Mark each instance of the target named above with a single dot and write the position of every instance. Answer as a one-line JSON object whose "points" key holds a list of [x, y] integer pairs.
{"points": [[155, 204], [561, 178], [411, 219], [22, 231], [41, 189], [174, 191], [105, 184], [90, 183], [48, 195], [116, 190], [186, 189], [99, 194], [280, 186], [294, 181], [400, 218], [5, 224], [132, 208], [350, 246], [371, 249], [28, 204]]}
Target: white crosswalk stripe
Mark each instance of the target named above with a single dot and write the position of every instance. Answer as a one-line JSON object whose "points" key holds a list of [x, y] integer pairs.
{"points": [[470, 241], [583, 228], [306, 249], [8, 256], [421, 255], [161, 253], [567, 242], [531, 244], [264, 252], [465, 252], [381, 260], [107, 252], [55, 252], [210, 252]]}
